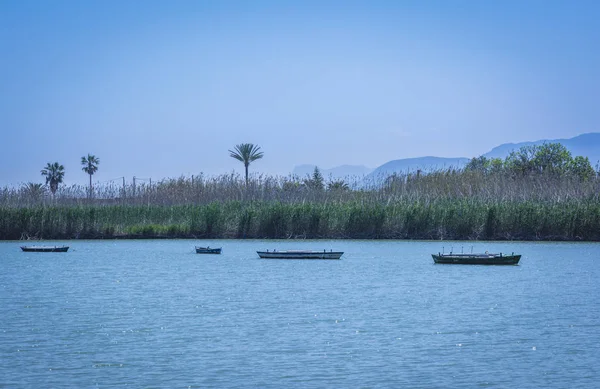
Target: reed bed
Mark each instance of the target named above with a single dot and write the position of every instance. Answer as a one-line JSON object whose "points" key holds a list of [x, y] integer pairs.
{"points": [[439, 205]]}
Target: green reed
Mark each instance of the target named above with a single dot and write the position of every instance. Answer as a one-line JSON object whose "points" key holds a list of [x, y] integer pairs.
{"points": [[439, 205], [440, 219]]}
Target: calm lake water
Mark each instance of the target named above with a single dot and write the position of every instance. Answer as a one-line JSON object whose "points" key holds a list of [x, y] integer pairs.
{"points": [[155, 314]]}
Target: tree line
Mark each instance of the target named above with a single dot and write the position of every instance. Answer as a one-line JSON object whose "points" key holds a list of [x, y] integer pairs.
{"points": [[536, 193], [548, 158], [55, 172]]}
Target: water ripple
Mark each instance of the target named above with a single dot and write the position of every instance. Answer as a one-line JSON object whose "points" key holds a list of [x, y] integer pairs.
{"points": [[154, 314]]}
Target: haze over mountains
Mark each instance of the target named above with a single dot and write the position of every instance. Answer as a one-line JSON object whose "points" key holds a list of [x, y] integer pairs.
{"points": [[586, 145], [336, 172]]}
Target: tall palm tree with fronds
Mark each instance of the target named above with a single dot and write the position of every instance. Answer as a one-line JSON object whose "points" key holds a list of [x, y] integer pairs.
{"points": [[246, 153], [90, 166], [54, 173]]}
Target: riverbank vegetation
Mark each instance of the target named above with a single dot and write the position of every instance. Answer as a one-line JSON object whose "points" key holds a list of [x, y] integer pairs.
{"points": [[524, 197]]}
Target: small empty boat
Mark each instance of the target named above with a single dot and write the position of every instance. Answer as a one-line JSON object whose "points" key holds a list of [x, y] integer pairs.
{"points": [[208, 250], [45, 249], [300, 254], [477, 259]]}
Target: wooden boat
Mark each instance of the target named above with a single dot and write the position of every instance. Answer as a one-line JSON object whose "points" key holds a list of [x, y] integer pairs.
{"points": [[300, 254], [45, 249], [208, 250], [477, 259]]}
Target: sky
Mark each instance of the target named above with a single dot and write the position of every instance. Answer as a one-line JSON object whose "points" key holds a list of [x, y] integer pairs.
{"points": [[159, 89]]}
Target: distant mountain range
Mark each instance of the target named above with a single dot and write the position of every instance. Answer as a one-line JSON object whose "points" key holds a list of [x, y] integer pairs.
{"points": [[337, 172], [586, 145], [424, 164]]}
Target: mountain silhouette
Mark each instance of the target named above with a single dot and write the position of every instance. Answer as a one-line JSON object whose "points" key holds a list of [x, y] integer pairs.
{"points": [[586, 145]]}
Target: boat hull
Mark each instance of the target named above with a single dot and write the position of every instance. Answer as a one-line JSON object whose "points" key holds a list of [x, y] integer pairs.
{"points": [[476, 259], [300, 254], [206, 250], [45, 249]]}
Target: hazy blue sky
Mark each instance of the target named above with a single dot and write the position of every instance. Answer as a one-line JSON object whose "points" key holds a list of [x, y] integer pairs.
{"points": [[165, 88]]}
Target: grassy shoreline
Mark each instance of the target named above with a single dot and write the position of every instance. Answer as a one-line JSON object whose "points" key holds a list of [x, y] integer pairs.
{"points": [[448, 205], [442, 219]]}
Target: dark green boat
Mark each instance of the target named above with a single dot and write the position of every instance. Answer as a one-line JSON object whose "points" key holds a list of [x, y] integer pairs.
{"points": [[45, 249], [477, 259], [208, 250]]}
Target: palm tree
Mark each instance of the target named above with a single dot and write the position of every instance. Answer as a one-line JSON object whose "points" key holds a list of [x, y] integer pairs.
{"points": [[54, 173], [338, 185], [246, 153], [33, 191], [90, 166]]}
